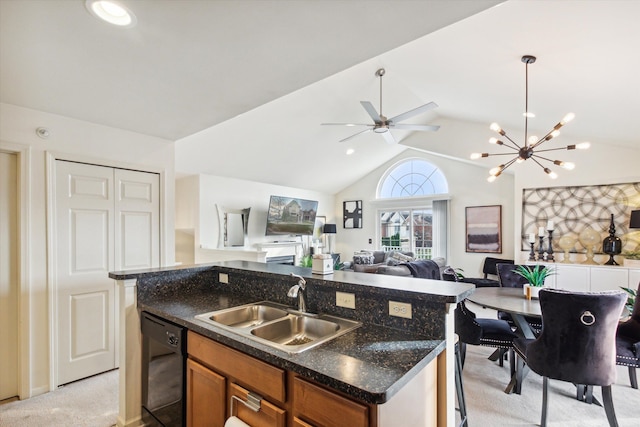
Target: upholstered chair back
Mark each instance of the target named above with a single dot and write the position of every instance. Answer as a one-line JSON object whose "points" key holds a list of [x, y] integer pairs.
{"points": [[631, 327], [508, 278], [466, 326], [577, 343]]}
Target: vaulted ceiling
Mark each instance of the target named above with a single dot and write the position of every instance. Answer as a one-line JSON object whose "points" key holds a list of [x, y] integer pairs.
{"points": [[243, 86]]}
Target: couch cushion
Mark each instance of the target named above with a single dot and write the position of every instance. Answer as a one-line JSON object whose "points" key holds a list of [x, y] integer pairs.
{"points": [[400, 257], [365, 268], [393, 270]]}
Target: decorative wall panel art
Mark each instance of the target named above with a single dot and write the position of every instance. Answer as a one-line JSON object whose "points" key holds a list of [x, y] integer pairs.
{"points": [[574, 209]]}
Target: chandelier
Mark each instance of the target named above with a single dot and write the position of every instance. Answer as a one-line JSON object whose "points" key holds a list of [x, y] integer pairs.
{"points": [[531, 148]]}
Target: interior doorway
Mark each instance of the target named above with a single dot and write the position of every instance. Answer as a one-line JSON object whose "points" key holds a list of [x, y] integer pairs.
{"points": [[9, 283]]}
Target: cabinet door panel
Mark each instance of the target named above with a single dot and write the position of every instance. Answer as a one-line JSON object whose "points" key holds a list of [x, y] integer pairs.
{"points": [[608, 279], [205, 397], [321, 407], [572, 277], [634, 278], [268, 415]]}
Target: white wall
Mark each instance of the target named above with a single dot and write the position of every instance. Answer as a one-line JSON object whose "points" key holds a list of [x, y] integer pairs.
{"points": [[468, 186], [78, 140], [197, 196]]}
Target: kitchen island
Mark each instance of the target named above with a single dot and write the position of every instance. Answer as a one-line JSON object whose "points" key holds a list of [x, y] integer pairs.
{"points": [[380, 364]]}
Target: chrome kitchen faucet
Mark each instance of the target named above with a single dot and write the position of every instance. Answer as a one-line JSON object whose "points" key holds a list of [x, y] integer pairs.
{"points": [[299, 291]]}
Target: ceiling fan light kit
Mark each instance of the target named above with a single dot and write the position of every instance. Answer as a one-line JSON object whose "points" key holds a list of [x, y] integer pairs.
{"points": [[530, 149], [381, 124]]}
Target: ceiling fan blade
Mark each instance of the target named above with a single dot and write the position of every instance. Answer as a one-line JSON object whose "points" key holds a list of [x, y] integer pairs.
{"points": [[407, 126], [354, 135], [371, 110], [421, 109], [346, 124], [388, 137]]}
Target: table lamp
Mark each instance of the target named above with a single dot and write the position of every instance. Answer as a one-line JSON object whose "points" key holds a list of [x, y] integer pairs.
{"points": [[329, 229]]}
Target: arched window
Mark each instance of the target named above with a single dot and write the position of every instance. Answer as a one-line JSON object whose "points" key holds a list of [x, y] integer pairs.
{"points": [[411, 178], [420, 225]]}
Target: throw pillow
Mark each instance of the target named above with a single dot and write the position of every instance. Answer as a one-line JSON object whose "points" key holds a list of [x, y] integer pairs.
{"points": [[363, 258], [401, 257]]}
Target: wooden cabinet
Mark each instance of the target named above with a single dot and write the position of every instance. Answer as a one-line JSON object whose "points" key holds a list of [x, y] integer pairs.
{"points": [[223, 382], [266, 415], [205, 396], [321, 407]]}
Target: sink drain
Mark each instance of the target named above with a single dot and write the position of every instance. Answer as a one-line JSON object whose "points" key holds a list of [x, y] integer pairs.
{"points": [[299, 341]]}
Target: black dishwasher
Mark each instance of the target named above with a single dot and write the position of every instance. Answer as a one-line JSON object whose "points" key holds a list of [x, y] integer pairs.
{"points": [[163, 372]]}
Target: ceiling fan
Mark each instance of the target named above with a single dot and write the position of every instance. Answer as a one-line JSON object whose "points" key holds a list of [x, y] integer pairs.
{"points": [[382, 125]]}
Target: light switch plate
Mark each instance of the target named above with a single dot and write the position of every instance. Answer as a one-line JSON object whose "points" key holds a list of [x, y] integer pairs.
{"points": [[223, 278], [400, 309], [345, 300]]}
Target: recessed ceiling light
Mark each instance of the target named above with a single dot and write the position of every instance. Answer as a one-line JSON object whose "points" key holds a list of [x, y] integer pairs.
{"points": [[350, 151], [112, 12]]}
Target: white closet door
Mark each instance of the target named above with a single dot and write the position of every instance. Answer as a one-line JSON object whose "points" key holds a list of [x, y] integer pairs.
{"points": [[107, 219], [85, 255], [8, 276], [137, 220]]}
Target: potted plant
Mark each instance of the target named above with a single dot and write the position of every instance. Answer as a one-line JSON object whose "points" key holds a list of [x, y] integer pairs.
{"points": [[631, 298], [631, 259], [535, 275]]}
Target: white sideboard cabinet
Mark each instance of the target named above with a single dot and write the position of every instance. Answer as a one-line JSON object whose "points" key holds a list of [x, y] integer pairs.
{"points": [[594, 278]]}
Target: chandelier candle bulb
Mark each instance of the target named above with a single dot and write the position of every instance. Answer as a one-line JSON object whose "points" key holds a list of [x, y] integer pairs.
{"points": [[530, 148]]}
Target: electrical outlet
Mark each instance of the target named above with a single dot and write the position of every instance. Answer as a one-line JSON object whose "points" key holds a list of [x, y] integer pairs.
{"points": [[346, 300], [400, 309], [223, 278]]}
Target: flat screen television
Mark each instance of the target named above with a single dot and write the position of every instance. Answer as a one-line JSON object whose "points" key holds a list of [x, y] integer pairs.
{"points": [[291, 216]]}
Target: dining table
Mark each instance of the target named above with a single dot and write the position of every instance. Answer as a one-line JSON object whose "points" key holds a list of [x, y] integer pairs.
{"points": [[514, 302]]}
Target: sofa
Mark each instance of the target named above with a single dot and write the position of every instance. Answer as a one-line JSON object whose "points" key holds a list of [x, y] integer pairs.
{"points": [[390, 262], [404, 270], [369, 261]]}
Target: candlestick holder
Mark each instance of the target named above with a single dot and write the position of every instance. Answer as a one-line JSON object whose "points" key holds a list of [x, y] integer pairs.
{"points": [[532, 254], [550, 251], [541, 249]]}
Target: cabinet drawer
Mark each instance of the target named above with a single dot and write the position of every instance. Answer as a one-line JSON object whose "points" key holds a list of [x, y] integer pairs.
{"points": [[268, 415], [264, 379], [297, 422], [321, 407]]}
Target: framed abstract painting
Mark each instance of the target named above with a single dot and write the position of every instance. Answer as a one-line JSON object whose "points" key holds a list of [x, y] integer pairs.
{"points": [[483, 229], [352, 214]]}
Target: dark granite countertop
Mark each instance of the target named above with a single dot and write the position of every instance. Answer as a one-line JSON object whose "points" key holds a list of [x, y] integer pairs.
{"points": [[370, 363]]}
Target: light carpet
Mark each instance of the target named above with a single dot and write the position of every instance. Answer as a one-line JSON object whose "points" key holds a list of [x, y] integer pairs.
{"points": [[92, 402], [487, 404]]}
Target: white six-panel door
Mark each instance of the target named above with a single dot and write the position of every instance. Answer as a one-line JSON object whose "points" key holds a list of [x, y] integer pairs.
{"points": [[106, 219]]}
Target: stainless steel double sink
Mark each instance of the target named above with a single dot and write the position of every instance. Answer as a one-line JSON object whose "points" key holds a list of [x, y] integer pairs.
{"points": [[279, 326]]}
